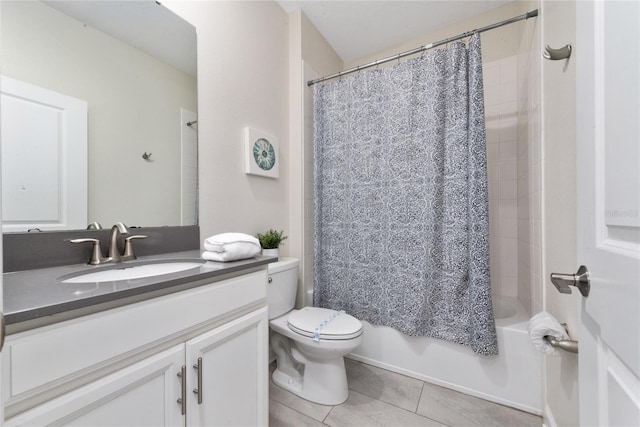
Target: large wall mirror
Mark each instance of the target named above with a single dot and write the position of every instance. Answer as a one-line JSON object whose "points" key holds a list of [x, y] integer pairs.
{"points": [[132, 65]]}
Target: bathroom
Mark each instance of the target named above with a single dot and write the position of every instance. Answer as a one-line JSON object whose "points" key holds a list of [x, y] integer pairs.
{"points": [[250, 72]]}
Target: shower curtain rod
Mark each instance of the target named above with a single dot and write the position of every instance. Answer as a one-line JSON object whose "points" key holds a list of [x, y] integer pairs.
{"points": [[527, 15]]}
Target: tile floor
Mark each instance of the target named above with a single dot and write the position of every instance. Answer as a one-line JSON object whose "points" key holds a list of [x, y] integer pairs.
{"points": [[382, 398]]}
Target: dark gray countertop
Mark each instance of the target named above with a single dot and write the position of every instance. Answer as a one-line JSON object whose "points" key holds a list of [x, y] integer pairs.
{"points": [[33, 294]]}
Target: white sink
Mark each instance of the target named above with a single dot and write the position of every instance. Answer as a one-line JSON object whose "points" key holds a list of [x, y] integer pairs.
{"points": [[130, 272]]}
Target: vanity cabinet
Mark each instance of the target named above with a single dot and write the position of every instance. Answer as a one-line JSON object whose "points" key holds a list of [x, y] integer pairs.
{"points": [[234, 375], [205, 346], [141, 394]]}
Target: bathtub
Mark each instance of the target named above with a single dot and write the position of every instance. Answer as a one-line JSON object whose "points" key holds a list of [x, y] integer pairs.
{"points": [[512, 378]]}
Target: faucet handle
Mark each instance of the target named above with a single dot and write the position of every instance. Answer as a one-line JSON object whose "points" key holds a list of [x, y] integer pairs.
{"points": [[96, 252], [128, 247]]}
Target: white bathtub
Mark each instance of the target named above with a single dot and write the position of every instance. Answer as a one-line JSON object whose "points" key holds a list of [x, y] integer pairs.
{"points": [[512, 378]]}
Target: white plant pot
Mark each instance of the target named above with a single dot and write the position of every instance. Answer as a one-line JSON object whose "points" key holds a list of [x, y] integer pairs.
{"points": [[271, 252]]}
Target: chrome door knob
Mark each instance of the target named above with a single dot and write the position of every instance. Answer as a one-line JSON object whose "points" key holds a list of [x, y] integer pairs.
{"points": [[580, 280]]}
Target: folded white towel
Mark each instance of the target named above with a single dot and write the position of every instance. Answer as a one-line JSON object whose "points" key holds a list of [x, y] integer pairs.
{"points": [[230, 247], [234, 252], [230, 241], [543, 324]]}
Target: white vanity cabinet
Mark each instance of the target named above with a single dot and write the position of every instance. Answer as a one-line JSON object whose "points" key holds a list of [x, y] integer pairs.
{"points": [[132, 364], [231, 390], [141, 394]]}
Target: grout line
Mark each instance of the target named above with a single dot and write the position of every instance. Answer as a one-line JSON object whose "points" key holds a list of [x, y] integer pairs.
{"points": [[419, 398], [328, 413], [301, 413]]}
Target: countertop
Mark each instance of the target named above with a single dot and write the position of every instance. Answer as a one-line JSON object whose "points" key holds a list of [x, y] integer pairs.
{"points": [[34, 294]]}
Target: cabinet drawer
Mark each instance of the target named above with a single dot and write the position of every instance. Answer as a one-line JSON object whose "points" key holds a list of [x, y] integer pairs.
{"points": [[43, 359]]}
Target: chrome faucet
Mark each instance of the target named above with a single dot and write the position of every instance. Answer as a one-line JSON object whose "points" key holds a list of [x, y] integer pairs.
{"points": [[117, 229], [114, 253]]}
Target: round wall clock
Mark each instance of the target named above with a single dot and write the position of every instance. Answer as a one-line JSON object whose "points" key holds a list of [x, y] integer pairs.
{"points": [[264, 154]]}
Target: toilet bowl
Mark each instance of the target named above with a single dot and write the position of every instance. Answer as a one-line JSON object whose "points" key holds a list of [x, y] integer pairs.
{"points": [[309, 344]]}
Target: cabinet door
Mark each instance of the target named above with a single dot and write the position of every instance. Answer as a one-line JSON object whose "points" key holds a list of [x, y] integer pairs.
{"points": [[234, 367], [143, 394]]}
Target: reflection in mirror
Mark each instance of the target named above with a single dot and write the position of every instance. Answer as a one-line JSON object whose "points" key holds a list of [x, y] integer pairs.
{"points": [[132, 65]]}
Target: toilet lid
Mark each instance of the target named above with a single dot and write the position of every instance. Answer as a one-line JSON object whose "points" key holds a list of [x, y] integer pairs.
{"points": [[330, 324]]}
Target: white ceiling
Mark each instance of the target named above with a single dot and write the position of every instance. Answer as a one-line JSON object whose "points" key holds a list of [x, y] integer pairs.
{"points": [[145, 25], [356, 29]]}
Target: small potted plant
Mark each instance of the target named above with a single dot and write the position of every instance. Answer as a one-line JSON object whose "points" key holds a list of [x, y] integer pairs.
{"points": [[271, 241]]}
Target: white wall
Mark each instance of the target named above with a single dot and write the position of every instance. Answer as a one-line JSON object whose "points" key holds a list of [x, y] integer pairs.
{"points": [[496, 44], [310, 57], [559, 204], [546, 192], [243, 80], [47, 48]]}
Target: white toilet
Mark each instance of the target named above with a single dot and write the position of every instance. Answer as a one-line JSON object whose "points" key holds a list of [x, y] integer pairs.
{"points": [[310, 343]]}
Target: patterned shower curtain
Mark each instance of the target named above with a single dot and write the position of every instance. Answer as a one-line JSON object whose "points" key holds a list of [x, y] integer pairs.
{"points": [[401, 206]]}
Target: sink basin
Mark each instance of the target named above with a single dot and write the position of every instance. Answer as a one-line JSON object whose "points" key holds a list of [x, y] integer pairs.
{"points": [[132, 271]]}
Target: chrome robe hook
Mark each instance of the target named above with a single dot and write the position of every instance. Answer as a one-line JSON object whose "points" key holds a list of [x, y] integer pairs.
{"points": [[557, 54]]}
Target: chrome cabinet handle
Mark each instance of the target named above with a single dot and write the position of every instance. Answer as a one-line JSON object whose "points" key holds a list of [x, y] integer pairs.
{"points": [[580, 280], [198, 391], [183, 386]]}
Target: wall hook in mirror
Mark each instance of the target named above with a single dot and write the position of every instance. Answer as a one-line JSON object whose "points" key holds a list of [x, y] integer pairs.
{"points": [[147, 156], [557, 54]]}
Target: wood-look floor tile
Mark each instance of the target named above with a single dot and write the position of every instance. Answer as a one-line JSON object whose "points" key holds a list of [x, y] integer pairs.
{"points": [[459, 409], [282, 416], [396, 389], [360, 410]]}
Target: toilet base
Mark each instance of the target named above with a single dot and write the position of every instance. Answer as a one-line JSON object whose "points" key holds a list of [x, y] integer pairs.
{"points": [[328, 387]]}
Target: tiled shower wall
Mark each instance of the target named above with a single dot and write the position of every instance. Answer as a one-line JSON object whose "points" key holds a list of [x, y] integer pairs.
{"points": [[530, 220], [501, 114]]}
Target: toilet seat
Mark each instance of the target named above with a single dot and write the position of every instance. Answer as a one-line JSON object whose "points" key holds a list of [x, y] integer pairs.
{"points": [[328, 324]]}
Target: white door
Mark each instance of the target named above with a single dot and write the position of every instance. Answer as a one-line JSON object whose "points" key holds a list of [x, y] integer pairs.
{"points": [[44, 158], [608, 143], [234, 374]]}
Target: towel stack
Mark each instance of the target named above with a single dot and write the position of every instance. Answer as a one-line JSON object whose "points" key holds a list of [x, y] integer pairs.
{"points": [[230, 247]]}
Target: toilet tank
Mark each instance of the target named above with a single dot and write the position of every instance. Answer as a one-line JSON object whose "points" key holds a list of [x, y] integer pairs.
{"points": [[282, 286]]}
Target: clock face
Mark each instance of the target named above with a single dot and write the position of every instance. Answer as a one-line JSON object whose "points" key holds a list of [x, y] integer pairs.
{"points": [[264, 154]]}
